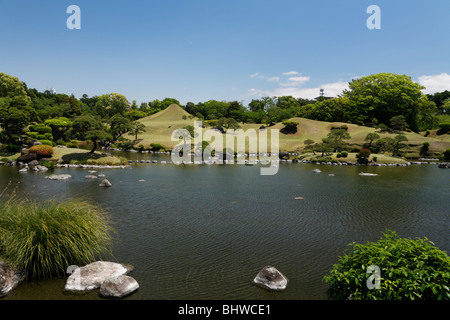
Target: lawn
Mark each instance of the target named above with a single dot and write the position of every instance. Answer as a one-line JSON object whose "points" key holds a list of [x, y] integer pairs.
{"points": [[161, 125]]}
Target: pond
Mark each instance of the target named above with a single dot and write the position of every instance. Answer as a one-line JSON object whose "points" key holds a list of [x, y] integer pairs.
{"points": [[203, 232]]}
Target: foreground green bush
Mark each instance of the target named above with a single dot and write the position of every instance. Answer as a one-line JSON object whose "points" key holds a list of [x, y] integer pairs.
{"points": [[46, 238], [410, 269]]}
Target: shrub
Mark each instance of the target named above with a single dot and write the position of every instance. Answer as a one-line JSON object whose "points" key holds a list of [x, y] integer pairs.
{"points": [[447, 154], [444, 127], [156, 147], [46, 142], [33, 135], [61, 142], [72, 144], [344, 154], [47, 164], [42, 150], [290, 126], [339, 155], [13, 148], [410, 269], [46, 238], [363, 156], [41, 128]]}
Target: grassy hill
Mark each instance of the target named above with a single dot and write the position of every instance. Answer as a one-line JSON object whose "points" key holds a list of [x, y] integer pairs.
{"points": [[161, 125]]}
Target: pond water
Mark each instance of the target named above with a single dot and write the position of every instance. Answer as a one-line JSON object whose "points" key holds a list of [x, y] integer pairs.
{"points": [[204, 232]]}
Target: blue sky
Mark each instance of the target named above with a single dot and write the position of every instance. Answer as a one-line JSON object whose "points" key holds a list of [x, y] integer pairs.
{"points": [[197, 50]]}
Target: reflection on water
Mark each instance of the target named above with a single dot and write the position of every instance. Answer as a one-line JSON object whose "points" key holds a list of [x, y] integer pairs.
{"points": [[204, 232]]}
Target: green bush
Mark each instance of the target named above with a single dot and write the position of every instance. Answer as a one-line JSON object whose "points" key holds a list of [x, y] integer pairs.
{"points": [[344, 154], [410, 269], [72, 144], [41, 128], [46, 238], [12, 148], [444, 127], [289, 126], [447, 154], [47, 164], [60, 143], [33, 135], [46, 142], [156, 147]]}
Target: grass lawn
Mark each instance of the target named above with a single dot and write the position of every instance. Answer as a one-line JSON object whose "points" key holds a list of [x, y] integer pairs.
{"points": [[161, 125]]}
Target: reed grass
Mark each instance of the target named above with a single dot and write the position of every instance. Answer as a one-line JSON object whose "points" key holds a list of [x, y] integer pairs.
{"points": [[45, 238]]}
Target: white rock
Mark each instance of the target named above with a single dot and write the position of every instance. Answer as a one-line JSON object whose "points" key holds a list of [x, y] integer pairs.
{"points": [[91, 276], [270, 278], [118, 287]]}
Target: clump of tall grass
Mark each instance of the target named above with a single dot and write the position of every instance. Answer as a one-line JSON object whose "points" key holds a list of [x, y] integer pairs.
{"points": [[45, 238]]}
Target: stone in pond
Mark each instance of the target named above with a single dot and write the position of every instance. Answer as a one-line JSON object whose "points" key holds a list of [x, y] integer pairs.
{"points": [[92, 276], [270, 278], [105, 183], [118, 287]]}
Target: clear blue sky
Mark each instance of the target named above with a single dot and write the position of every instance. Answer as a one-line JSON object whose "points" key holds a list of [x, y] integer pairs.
{"points": [[196, 50]]}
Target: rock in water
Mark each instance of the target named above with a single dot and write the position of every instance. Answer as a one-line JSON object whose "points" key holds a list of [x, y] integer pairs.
{"points": [[105, 183], [10, 277], [118, 287], [270, 278], [59, 177], [91, 176], [92, 276]]}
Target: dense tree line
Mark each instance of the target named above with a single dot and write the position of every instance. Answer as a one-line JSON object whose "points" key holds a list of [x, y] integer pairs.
{"points": [[385, 100]]}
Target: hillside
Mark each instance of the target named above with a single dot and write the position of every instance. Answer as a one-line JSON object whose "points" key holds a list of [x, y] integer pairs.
{"points": [[161, 125]]}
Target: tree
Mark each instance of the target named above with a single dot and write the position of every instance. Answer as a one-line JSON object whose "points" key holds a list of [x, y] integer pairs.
{"points": [[383, 96], [397, 144], [399, 123], [89, 127], [136, 128], [112, 104], [59, 127], [325, 147], [119, 125], [371, 137], [15, 110], [228, 123], [336, 138]]}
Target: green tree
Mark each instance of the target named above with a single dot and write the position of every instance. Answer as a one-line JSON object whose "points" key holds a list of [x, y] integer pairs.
{"points": [[59, 127], [398, 144], [398, 123], [15, 110], [119, 125], [371, 137], [136, 128], [336, 138], [112, 104], [383, 96], [89, 127]]}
